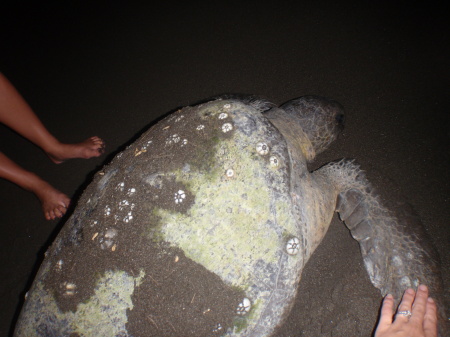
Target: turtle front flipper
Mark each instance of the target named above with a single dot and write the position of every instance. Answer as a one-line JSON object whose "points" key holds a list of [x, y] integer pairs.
{"points": [[393, 242]]}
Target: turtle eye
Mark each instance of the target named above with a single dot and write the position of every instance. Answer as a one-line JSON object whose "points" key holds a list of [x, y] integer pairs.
{"points": [[340, 119]]}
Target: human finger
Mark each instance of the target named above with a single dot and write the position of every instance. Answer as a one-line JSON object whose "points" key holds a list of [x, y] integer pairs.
{"points": [[420, 302], [404, 309], [387, 310], [430, 319]]}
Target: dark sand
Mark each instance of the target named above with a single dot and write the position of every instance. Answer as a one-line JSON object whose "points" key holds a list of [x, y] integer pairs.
{"points": [[109, 71]]}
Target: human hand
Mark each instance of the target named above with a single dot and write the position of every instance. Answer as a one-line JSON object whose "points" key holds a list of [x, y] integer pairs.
{"points": [[422, 322]]}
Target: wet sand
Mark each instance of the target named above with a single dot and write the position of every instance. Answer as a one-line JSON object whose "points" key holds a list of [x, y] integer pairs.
{"points": [[110, 71]]}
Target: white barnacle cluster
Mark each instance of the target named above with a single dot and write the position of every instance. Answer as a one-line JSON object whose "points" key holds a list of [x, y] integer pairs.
{"points": [[226, 127], [107, 211], [244, 307], [128, 217], [293, 246], [120, 186], [123, 204], [173, 139], [263, 149], [180, 196]]}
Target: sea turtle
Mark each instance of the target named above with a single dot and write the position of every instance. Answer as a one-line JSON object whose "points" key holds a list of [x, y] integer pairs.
{"points": [[203, 225]]}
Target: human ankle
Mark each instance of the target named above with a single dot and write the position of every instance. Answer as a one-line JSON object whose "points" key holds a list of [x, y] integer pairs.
{"points": [[55, 152]]}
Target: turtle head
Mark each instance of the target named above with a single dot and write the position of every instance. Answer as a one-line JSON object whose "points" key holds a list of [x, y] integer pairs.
{"points": [[320, 118]]}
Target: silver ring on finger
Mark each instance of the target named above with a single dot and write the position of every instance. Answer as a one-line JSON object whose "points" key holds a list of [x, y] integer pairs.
{"points": [[405, 313]]}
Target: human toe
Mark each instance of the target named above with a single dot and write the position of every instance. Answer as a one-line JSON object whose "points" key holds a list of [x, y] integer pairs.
{"points": [[96, 140], [58, 213], [102, 147], [98, 144], [61, 210], [50, 215]]}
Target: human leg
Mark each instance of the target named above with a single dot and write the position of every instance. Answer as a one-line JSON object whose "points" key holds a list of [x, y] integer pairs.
{"points": [[17, 114], [54, 203]]}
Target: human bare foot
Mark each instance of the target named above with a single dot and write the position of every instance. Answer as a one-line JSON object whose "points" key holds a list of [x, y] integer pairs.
{"points": [[54, 203], [91, 147]]}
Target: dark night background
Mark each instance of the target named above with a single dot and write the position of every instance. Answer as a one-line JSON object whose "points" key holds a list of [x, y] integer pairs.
{"points": [[110, 69]]}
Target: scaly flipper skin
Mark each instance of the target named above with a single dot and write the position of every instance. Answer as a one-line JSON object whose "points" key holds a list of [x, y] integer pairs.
{"points": [[394, 245]]}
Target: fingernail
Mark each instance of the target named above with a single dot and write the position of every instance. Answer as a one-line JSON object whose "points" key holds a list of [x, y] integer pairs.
{"points": [[410, 291], [430, 300], [423, 287], [389, 296]]}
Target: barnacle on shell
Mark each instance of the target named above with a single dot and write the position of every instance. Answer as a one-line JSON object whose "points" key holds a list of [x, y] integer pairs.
{"points": [[244, 307], [229, 173], [262, 148], [274, 162], [293, 246], [227, 127], [180, 196]]}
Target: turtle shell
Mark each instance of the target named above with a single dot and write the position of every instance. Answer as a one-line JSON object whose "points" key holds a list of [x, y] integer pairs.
{"points": [[188, 232]]}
